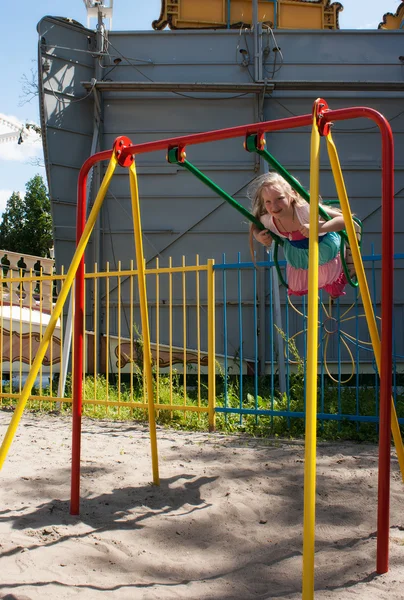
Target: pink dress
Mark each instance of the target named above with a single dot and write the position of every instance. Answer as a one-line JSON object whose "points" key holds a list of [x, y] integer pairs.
{"points": [[331, 276]]}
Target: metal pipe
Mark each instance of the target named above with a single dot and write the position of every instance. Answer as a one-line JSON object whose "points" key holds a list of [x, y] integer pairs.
{"points": [[279, 85], [255, 34], [383, 513]]}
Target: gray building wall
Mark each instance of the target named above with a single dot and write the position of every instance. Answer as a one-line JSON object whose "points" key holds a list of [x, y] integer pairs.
{"points": [[180, 215]]}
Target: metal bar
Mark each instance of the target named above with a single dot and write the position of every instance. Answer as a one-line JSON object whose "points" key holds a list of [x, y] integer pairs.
{"points": [[255, 37], [295, 414], [55, 314], [271, 337], [339, 356], [386, 340], [184, 332], [170, 325], [211, 346], [309, 516], [83, 232], [107, 321], [240, 338], [225, 349], [278, 337], [255, 319], [198, 329], [221, 134], [356, 357], [280, 85], [167, 86], [157, 329], [140, 263], [173, 158], [119, 317]]}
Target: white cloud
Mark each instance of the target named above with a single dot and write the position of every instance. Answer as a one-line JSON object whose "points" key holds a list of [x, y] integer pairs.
{"points": [[31, 147], [5, 195], [370, 25]]}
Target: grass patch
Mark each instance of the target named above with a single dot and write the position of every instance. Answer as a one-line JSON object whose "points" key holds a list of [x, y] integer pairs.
{"points": [[106, 399]]}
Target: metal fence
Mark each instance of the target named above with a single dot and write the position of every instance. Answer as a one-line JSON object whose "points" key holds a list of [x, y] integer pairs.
{"points": [[271, 382], [251, 365]]}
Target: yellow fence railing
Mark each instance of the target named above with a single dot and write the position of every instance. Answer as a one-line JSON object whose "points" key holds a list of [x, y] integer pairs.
{"points": [[181, 314]]}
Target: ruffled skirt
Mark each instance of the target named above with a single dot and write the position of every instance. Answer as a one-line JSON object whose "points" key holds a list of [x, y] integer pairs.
{"points": [[331, 276]]}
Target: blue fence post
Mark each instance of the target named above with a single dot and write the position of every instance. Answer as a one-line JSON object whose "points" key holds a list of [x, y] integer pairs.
{"points": [[339, 359], [357, 357], [287, 352], [225, 346], [322, 356], [255, 320], [271, 338], [374, 298], [240, 325]]}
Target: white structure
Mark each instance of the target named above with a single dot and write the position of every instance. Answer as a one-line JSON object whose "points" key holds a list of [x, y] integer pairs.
{"points": [[17, 133], [99, 10], [25, 312]]}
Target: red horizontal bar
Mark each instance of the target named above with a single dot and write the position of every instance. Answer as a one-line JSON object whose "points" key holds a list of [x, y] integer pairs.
{"points": [[243, 130], [220, 134]]}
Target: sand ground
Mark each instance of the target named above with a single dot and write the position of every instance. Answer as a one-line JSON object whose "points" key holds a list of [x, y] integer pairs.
{"points": [[225, 523]]}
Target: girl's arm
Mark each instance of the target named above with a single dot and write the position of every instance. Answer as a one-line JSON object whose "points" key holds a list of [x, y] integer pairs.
{"points": [[335, 224], [262, 236]]}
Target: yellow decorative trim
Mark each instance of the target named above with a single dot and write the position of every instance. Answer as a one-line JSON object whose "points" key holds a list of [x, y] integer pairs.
{"points": [[212, 14], [393, 21]]}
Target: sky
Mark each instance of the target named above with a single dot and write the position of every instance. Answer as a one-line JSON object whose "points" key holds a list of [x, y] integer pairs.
{"points": [[18, 42]]}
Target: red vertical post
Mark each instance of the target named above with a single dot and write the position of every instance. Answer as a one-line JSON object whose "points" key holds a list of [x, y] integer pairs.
{"points": [[383, 506], [78, 353], [383, 513], [79, 333]]}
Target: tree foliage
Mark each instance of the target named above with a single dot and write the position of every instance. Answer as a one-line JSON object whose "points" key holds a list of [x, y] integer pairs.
{"points": [[26, 223]]}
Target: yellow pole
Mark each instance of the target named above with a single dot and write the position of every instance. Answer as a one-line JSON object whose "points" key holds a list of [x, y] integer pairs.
{"points": [[145, 318], [36, 365], [211, 346], [363, 286], [311, 376]]}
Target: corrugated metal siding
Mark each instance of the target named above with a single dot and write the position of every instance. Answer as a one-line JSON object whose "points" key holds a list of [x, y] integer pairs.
{"points": [[180, 216]]}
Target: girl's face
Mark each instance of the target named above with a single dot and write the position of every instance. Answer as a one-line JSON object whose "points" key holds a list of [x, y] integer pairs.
{"points": [[275, 201]]}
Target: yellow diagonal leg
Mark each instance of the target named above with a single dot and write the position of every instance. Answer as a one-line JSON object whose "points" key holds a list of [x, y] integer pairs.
{"points": [[141, 277], [36, 365], [360, 274]]}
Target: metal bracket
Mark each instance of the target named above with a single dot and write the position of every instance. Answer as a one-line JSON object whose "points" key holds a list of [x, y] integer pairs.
{"points": [[320, 107], [122, 142]]}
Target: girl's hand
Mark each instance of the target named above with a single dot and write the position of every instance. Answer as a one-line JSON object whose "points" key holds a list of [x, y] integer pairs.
{"points": [[263, 236], [304, 229]]}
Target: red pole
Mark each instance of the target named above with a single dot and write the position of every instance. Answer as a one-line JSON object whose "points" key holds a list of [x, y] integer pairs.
{"points": [[383, 510], [78, 334], [219, 134], [387, 354]]}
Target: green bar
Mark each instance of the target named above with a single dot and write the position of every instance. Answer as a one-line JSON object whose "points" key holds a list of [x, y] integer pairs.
{"points": [[172, 158]]}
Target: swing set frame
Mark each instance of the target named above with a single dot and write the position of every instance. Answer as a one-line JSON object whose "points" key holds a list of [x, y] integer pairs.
{"points": [[123, 153]]}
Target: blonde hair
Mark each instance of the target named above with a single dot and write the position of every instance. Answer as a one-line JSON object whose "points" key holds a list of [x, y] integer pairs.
{"points": [[254, 194]]}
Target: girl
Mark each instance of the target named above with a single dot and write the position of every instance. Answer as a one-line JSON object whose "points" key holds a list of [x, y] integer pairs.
{"points": [[280, 208]]}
